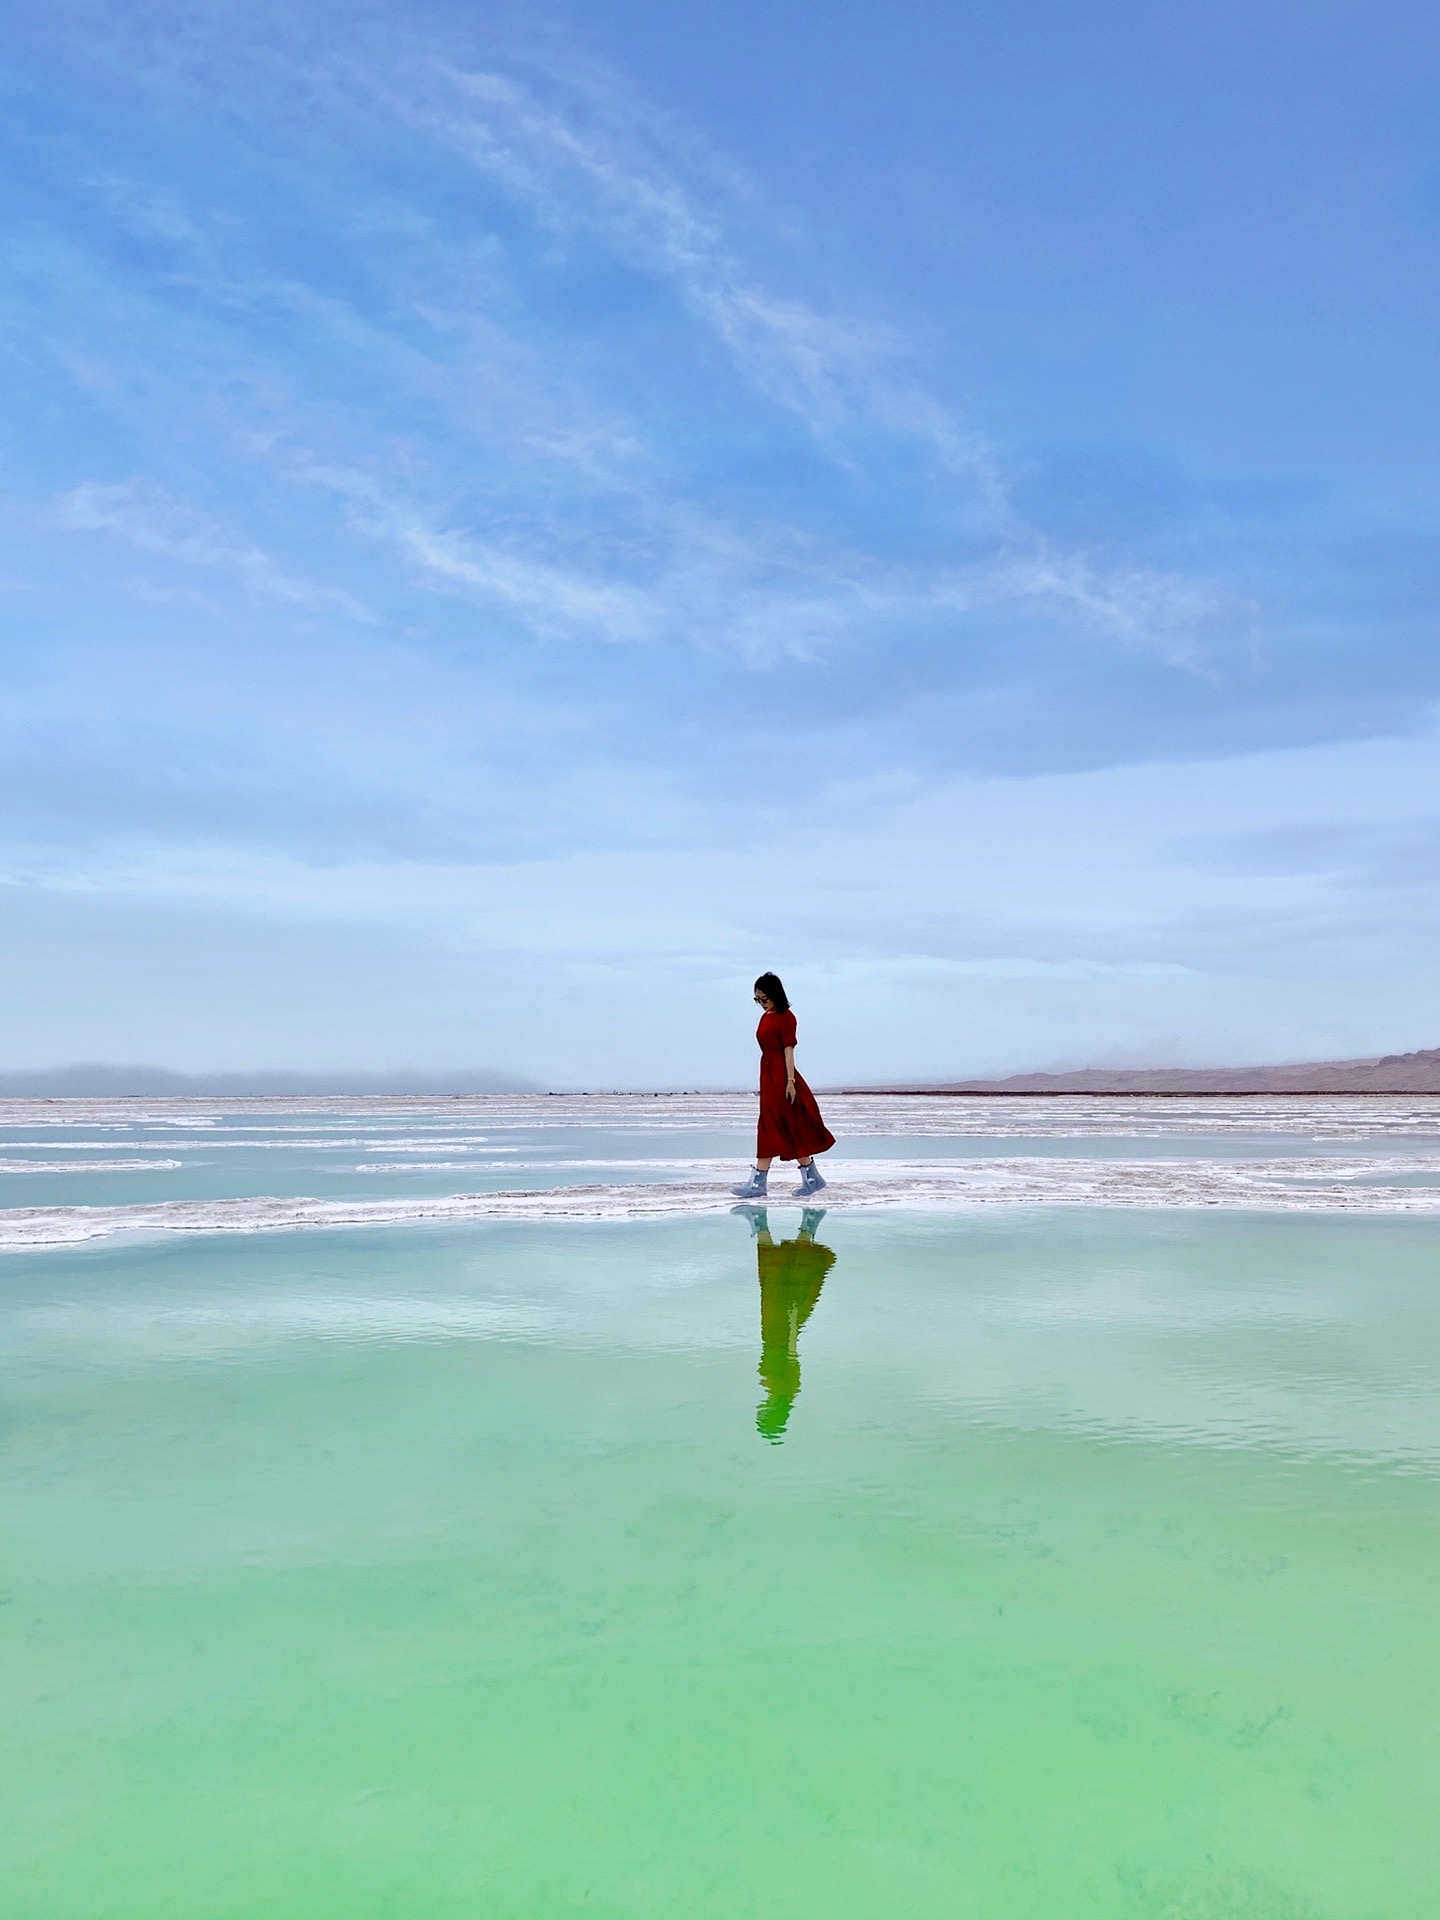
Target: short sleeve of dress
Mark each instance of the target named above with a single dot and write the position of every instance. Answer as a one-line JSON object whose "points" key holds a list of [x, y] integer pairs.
{"points": [[787, 1029]]}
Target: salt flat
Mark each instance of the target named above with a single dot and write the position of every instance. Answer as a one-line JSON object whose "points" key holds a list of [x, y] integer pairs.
{"points": [[228, 1166]]}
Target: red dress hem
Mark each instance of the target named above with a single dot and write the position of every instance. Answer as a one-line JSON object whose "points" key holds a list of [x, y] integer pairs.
{"points": [[787, 1130]]}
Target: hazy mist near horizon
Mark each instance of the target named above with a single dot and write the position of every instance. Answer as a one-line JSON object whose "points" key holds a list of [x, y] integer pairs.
{"points": [[99, 1080]]}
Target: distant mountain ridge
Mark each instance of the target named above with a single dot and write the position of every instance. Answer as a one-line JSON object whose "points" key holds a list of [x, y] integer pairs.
{"points": [[1417, 1072]]}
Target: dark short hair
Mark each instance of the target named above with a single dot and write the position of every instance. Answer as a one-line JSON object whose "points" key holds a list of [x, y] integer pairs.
{"points": [[773, 989]]}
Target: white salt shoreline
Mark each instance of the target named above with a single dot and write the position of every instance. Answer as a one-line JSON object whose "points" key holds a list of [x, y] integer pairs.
{"points": [[1297, 1185]]}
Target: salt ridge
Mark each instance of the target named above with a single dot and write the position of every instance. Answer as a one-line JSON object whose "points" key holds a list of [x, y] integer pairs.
{"points": [[872, 1115], [88, 1166]]}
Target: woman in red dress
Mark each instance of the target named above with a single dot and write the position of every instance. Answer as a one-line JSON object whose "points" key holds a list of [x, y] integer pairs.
{"points": [[790, 1125]]}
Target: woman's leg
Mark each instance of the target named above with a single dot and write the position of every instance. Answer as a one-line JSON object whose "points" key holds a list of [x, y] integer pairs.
{"points": [[763, 1166]]}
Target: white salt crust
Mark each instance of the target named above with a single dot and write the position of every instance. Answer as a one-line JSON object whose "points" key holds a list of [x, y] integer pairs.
{"points": [[1305, 1185], [1338, 1117], [1374, 1155]]}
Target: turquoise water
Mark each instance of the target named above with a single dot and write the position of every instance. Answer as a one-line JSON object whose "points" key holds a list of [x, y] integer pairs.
{"points": [[1060, 1564]]}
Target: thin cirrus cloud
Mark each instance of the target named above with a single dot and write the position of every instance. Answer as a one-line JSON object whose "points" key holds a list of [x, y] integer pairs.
{"points": [[621, 173], [595, 162], [144, 517]]}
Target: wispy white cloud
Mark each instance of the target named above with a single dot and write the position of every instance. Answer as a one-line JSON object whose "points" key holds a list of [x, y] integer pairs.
{"points": [[759, 594], [597, 158], [589, 531], [1167, 615], [589, 155], [151, 521]]}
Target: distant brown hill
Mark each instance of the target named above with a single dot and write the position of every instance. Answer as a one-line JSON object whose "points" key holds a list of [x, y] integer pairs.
{"points": [[1389, 1073]]}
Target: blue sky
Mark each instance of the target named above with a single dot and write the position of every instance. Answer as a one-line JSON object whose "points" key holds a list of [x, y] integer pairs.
{"points": [[511, 522]]}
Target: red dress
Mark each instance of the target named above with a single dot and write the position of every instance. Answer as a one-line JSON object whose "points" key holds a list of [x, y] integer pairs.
{"points": [[786, 1131]]}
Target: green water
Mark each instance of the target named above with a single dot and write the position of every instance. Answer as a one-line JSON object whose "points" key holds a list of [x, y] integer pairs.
{"points": [[1085, 1565]]}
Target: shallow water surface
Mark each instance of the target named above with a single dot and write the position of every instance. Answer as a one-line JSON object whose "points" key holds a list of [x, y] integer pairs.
{"points": [[1024, 1565], [77, 1170]]}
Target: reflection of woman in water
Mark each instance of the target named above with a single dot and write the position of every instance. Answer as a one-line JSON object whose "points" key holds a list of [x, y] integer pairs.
{"points": [[790, 1125], [791, 1276]]}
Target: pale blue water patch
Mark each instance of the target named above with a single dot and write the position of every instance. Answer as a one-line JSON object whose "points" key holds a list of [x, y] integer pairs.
{"points": [[355, 1167], [383, 1155], [1421, 1179]]}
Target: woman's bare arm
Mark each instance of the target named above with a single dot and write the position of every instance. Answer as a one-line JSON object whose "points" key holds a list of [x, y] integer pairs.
{"points": [[790, 1073]]}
